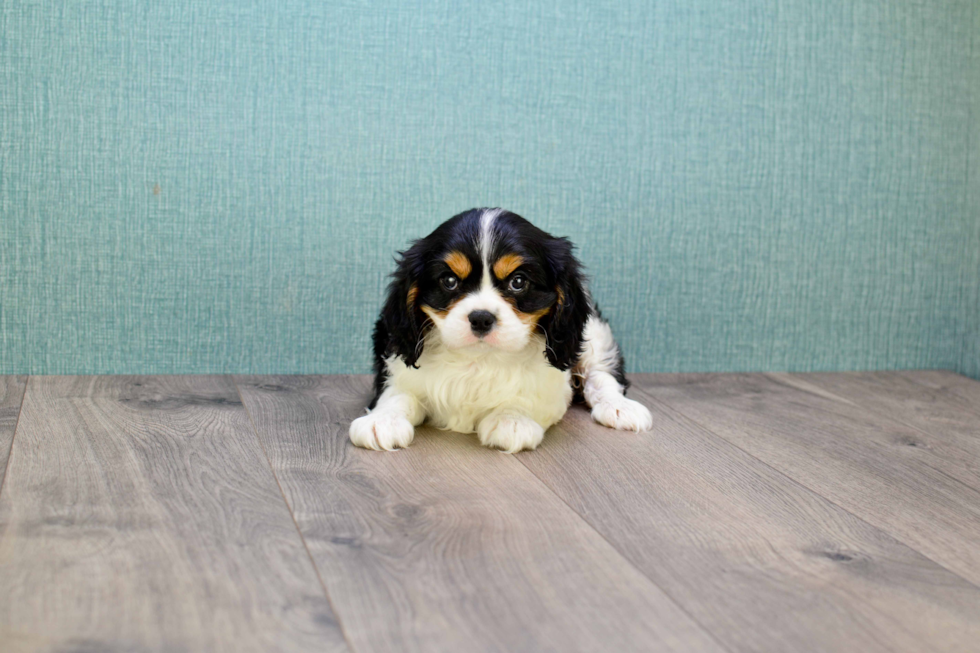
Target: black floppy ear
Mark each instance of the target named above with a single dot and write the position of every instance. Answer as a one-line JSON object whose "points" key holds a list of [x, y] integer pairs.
{"points": [[399, 328], [564, 325]]}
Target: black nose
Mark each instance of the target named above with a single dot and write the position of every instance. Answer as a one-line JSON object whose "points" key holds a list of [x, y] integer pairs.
{"points": [[481, 322]]}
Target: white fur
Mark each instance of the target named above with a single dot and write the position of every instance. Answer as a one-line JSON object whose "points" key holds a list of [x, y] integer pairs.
{"points": [[499, 386], [508, 398], [596, 367], [391, 425], [486, 243], [459, 388], [510, 333], [510, 432]]}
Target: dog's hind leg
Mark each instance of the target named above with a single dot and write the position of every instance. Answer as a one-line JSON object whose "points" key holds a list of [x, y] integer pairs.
{"points": [[601, 371]]}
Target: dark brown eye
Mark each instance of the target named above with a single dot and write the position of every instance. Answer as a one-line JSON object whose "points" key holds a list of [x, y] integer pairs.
{"points": [[517, 283], [449, 282]]}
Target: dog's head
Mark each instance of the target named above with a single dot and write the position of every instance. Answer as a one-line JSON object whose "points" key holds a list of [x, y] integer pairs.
{"points": [[486, 278]]}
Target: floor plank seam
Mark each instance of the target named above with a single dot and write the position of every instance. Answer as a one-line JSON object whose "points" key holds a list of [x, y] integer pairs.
{"points": [[423, 542], [953, 479], [138, 514], [890, 417], [13, 437], [712, 433], [947, 391], [628, 561], [292, 516], [880, 412]]}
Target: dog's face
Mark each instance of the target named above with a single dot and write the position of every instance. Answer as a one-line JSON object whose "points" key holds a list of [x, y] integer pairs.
{"points": [[488, 282], [486, 278]]}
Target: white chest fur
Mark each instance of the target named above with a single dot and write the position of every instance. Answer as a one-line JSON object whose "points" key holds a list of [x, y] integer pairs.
{"points": [[459, 387]]}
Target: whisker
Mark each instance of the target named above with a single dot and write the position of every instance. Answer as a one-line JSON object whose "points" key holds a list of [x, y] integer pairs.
{"points": [[546, 345], [418, 343]]}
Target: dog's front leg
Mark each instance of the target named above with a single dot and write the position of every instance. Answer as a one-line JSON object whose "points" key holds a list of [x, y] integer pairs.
{"points": [[509, 430], [391, 425]]}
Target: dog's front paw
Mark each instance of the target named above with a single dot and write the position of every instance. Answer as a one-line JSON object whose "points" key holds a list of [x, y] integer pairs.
{"points": [[623, 414], [509, 432], [382, 430]]}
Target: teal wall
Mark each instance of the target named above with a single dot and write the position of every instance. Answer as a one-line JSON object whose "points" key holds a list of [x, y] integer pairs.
{"points": [[219, 186]]}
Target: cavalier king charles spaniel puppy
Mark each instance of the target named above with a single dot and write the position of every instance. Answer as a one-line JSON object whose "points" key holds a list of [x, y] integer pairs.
{"points": [[489, 328]]}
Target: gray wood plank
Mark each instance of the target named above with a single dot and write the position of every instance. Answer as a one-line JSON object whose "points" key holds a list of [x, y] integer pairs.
{"points": [[948, 435], [11, 395], [955, 388], [850, 456], [448, 546], [760, 561], [139, 513]]}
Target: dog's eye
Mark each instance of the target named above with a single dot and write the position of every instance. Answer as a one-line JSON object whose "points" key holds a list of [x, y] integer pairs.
{"points": [[449, 282], [518, 283]]}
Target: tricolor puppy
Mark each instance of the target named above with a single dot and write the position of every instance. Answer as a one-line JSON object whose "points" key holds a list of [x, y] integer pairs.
{"points": [[488, 328]]}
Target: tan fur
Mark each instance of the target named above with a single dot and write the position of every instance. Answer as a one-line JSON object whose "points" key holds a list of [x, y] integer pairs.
{"points": [[459, 264], [500, 384], [434, 313], [532, 319], [507, 264]]}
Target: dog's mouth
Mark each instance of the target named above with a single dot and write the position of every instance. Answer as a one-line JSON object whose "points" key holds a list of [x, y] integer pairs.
{"points": [[476, 341], [487, 339], [479, 326], [473, 342]]}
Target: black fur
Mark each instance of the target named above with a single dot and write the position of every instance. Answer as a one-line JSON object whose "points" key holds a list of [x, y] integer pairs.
{"points": [[564, 325], [554, 272], [399, 327], [620, 372]]}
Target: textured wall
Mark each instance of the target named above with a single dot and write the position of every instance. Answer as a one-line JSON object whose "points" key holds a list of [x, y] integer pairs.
{"points": [[219, 186]]}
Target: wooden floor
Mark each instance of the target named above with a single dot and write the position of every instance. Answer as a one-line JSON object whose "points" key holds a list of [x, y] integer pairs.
{"points": [[764, 512]]}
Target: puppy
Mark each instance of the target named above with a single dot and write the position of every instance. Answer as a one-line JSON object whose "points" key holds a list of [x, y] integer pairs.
{"points": [[489, 328]]}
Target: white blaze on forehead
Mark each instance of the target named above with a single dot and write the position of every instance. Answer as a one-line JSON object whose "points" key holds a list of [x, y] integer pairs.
{"points": [[509, 333], [486, 242]]}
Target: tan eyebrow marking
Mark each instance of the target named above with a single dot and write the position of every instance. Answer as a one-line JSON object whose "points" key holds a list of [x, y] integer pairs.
{"points": [[531, 319], [507, 264], [459, 264], [441, 314]]}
